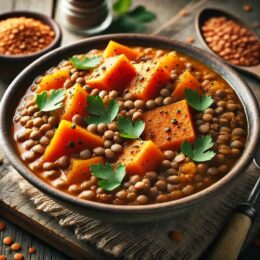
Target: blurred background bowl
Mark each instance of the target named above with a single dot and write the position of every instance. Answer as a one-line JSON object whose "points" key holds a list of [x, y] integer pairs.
{"points": [[11, 65]]}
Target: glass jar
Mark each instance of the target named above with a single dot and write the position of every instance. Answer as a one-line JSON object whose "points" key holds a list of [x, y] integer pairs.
{"points": [[86, 16]]}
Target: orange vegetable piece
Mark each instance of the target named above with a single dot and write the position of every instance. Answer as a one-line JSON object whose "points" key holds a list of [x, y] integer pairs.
{"points": [[171, 61], [70, 139], [76, 102], [186, 80], [149, 80], [169, 126], [80, 169], [140, 157], [53, 81], [187, 171], [115, 73], [114, 49]]}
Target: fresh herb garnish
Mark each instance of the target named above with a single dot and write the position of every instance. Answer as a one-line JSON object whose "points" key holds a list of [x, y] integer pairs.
{"points": [[98, 113], [128, 129], [52, 102], [130, 20], [121, 7], [110, 178], [199, 151], [86, 63], [197, 101]]}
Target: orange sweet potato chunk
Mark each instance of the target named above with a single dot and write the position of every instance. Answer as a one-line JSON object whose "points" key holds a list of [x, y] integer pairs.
{"points": [[169, 126], [171, 61], [79, 170], [54, 80], [114, 49], [149, 80], [186, 80], [70, 139], [115, 73], [76, 102], [140, 157]]}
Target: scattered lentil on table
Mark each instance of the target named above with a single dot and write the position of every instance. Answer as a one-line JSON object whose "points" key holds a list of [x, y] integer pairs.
{"points": [[22, 35], [232, 41]]}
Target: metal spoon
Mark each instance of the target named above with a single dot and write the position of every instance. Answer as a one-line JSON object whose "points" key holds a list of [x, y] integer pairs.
{"points": [[203, 15], [229, 244]]}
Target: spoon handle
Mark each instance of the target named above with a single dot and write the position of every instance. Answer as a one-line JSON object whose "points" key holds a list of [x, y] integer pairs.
{"points": [[231, 240]]}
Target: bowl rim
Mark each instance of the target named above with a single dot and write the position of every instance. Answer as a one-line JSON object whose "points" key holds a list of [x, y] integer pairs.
{"points": [[38, 16], [251, 110]]}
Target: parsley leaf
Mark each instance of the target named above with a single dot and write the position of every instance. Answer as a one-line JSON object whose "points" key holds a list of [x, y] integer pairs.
{"points": [[98, 113], [52, 102], [120, 7], [130, 20], [110, 178], [86, 63], [141, 14], [199, 152], [128, 129], [197, 101]]}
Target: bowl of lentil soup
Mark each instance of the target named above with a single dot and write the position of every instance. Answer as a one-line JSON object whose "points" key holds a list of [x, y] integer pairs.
{"points": [[129, 128], [24, 37]]}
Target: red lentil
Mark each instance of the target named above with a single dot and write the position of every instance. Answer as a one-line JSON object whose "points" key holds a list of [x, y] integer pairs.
{"points": [[175, 235], [16, 246], [21, 35], [232, 41], [18, 256], [247, 8], [184, 13], [7, 240], [190, 40], [32, 250], [2, 226]]}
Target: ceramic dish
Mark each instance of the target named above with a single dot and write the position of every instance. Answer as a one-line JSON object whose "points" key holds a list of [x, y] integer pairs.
{"points": [[128, 213]]}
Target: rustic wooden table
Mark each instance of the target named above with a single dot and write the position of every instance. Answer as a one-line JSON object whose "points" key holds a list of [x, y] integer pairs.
{"points": [[166, 11]]}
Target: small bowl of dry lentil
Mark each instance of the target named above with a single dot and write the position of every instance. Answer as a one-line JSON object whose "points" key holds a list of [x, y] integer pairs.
{"points": [[230, 38], [24, 37]]}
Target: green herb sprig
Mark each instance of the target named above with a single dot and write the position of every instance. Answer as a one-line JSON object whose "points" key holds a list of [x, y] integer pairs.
{"points": [[199, 151], [97, 111], [128, 129], [54, 101], [86, 63], [110, 178], [198, 101], [130, 20]]}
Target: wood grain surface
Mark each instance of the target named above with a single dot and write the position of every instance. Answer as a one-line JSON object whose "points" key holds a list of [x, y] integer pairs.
{"points": [[18, 209]]}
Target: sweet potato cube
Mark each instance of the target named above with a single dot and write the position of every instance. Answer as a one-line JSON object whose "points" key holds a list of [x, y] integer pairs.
{"points": [[76, 102], [149, 80], [140, 157], [70, 139], [54, 80], [169, 126], [115, 73], [79, 170], [114, 49], [186, 80], [171, 61]]}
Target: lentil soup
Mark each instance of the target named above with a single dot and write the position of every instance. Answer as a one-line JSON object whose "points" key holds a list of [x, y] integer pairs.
{"points": [[130, 126]]}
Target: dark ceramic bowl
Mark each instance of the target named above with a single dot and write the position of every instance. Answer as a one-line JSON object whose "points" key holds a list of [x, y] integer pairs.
{"points": [[11, 65], [122, 213]]}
